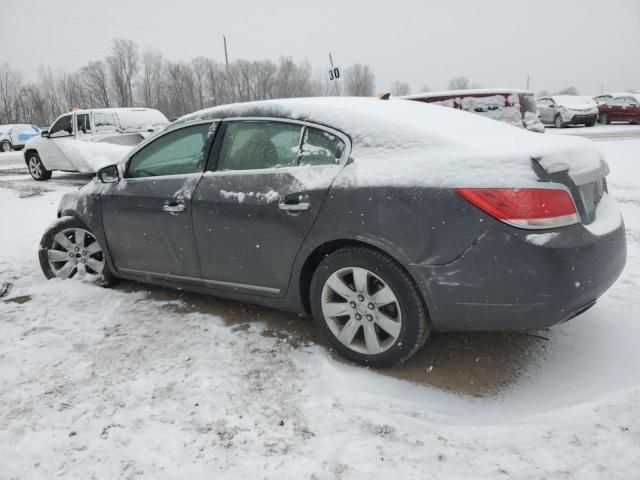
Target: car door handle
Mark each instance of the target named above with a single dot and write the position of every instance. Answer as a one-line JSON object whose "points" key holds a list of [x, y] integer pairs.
{"points": [[173, 206], [294, 207]]}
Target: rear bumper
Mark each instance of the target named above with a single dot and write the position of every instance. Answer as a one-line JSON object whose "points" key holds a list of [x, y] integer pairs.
{"points": [[506, 282]]}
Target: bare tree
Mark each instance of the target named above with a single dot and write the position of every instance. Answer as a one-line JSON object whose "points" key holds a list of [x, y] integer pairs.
{"points": [[125, 78], [151, 84], [10, 85], [459, 83], [180, 88], [96, 83], [292, 80], [400, 88], [199, 70], [265, 74], [215, 82], [123, 66], [568, 91], [70, 84], [359, 81]]}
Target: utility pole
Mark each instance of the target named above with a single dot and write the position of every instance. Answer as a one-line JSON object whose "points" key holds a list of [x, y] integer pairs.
{"points": [[226, 55], [601, 88], [335, 81], [527, 81]]}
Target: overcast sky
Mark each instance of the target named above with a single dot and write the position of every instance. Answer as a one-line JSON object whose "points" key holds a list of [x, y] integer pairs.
{"points": [[495, 43]]}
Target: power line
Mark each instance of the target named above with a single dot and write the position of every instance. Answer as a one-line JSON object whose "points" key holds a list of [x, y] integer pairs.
{"points": [[64, 50], [87, 20]]}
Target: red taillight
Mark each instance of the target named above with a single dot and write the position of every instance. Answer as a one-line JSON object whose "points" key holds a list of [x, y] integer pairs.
{"points": [[534, 208]]}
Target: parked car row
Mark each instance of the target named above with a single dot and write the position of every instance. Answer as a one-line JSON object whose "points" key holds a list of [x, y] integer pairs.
{"points": [[513, 106], [564, 110]]}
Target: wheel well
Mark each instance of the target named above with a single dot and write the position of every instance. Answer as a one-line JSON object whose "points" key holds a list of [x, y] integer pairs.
{"points": [[313, 260], [27, 152]]}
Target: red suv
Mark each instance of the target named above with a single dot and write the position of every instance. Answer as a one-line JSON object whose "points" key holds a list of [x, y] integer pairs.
{"points": [[623, 108]]}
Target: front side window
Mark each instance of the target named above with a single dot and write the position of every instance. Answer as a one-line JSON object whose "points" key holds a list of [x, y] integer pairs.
{"points": [[63, 127], [83, 124], [320, 148], [176, 153], [259, 144]]}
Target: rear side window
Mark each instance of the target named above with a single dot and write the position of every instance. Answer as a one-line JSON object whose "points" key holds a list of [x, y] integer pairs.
{"points": [[256, 145], [320, 148], [83, 124], [178, 152], [105, 121]]}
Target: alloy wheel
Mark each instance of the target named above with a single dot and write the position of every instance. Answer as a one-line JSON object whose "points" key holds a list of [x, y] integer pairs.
{"points": [[361, 310], [35, 166], [75, 253]]}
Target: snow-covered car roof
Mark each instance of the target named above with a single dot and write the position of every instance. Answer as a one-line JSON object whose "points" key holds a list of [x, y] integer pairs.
{"points": [[574, 101], [446, 145], [133, 117], [7, 127], [467, 92]]}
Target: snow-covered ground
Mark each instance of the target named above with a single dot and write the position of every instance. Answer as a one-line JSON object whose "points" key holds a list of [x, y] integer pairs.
{"points": [[137, 382], [12, 161], [618, 131]]}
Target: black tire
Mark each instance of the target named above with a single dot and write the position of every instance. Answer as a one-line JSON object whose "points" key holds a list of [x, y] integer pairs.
{"points": [[558, 122], [415, 326], [5, 146], [604, 119], [36, 168], [47, 242], [590, 124]]}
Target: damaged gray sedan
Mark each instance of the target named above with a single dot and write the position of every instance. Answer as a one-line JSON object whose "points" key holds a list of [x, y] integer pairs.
{"points": [[384, 220]]}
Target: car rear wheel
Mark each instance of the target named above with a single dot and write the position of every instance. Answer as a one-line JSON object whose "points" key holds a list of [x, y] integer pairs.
{"points": [[70, 250], [5, 146], [368, 307], [604, 119], [558, 122], [36, 168]]}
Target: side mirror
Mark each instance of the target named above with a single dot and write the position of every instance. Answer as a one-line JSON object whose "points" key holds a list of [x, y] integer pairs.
{"points": [[44, 133], [109, 174]]}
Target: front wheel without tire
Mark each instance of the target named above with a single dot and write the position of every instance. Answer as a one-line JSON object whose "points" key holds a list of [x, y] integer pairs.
{"points": [[36, 168], [68, 249], [368, 307]]}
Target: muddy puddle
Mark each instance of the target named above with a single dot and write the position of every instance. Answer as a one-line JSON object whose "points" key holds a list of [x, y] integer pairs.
{"points": [[477, 364]]}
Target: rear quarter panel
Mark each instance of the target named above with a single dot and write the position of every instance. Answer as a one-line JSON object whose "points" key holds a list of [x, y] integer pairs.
{"points": [[413, 224]]}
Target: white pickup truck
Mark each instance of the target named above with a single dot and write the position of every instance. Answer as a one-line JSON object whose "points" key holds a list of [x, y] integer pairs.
{"points": [[86, 140]]}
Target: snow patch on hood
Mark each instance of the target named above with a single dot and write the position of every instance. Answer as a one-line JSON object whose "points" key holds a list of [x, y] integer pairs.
{"points": [[89, 157]]}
